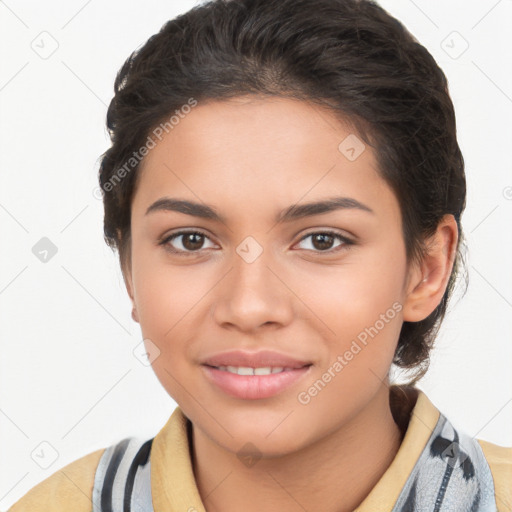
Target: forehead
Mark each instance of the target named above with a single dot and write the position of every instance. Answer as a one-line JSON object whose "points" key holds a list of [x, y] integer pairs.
{"points": [[254, 126], [258, 151]]}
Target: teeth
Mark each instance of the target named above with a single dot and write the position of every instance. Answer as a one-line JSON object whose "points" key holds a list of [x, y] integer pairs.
{"points": [[245, 370], [241, 370]]}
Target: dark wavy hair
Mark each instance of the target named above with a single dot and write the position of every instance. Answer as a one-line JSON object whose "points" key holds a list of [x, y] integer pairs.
{"points": [[348, 55]]}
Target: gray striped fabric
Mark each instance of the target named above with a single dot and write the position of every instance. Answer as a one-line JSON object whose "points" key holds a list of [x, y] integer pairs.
{"points": [[122, 481], [451, 475]]}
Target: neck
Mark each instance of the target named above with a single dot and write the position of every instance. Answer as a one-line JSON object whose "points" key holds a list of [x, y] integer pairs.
{"points": [[334, 474]]}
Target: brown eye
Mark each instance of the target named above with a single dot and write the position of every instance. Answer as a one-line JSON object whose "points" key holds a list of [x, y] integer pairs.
{"points": [[322, 241], [185, 242], [192, 241]]}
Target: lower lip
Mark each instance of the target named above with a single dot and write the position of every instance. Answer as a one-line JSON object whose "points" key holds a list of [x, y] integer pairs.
{"points": [[254, 387]]}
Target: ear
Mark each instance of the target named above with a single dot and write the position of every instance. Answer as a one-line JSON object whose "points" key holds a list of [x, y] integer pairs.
{"points": [[128, 281], [427, 280]]}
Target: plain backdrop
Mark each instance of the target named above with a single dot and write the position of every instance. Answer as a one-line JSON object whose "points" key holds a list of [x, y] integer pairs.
{"points": [[70, 381]]}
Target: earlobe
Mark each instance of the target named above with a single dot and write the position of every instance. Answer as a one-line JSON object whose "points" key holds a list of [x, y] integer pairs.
{"points": [[129, 289], [127, 278], [428, 280]]}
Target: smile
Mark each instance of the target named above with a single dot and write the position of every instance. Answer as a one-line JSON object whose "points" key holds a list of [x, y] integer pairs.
{"points": [[254, 383], [246, 370]]}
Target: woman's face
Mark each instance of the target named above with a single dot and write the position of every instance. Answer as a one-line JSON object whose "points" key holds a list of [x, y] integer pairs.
{"points": [[324, 287]]}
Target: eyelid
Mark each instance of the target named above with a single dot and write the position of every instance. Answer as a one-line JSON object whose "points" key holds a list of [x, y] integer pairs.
{"points": [[329, 231], [183, 231]]}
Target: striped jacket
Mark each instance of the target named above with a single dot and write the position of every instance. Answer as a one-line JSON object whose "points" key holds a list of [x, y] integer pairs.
{"points": [[436, 469]]}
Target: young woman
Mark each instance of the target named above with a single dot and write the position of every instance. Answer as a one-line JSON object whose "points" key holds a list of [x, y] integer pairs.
{"points": [[284, 189]]}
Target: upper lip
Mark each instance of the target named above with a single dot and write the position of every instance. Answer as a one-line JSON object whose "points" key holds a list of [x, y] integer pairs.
{"points": [[260, 359]]}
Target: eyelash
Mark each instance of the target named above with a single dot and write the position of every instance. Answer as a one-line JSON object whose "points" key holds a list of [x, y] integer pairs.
{"points": [[346, 241]]}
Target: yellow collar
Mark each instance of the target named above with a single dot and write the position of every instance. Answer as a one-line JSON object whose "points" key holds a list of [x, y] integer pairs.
{"points": [[173, 485]]}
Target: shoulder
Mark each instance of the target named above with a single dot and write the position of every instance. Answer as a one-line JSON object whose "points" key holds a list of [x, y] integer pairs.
{"points": [[69, 488], [499, 459]]}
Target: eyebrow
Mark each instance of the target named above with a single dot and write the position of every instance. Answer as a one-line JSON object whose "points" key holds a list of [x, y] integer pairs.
{"points": [[289, 214]]}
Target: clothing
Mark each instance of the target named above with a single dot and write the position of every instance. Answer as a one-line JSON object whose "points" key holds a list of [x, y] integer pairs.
{"points": [[123, 478], [426, 458]]}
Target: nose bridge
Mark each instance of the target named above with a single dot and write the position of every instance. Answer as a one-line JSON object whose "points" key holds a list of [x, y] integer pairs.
{"points": [[251, 272], [252, 295], [251, 262]]}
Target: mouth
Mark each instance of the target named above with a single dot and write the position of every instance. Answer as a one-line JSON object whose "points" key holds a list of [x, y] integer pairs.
{"points": [[263, 370], [261, 361], [254, 383]]}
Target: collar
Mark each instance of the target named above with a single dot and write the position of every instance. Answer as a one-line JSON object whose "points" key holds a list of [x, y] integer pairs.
{"points": [[173, 485]]}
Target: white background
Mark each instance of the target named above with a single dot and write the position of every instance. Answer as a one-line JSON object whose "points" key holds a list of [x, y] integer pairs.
{"points": [[68, 373]]}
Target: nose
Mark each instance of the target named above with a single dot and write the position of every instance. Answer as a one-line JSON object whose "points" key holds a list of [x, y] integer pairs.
{"points": [[253, 293]]}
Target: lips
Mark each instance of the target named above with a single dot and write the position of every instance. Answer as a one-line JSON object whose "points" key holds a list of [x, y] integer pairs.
{"points": [[260, 359], [255, 387]]}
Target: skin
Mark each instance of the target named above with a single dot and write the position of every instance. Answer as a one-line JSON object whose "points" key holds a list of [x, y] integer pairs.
{"points": [[249, 158]]}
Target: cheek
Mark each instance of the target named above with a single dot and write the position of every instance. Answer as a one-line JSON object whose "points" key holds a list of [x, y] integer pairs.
{"points": [[359, 306], [166, 300], [164, 293], [364, 312], [169, 299], [354, 294]]}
